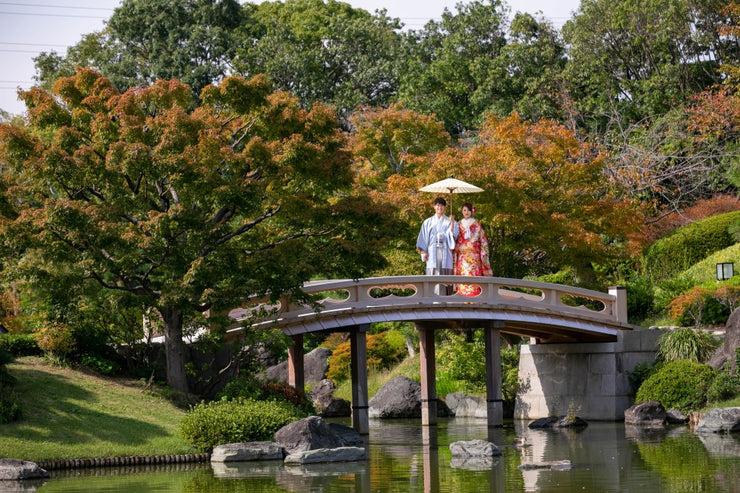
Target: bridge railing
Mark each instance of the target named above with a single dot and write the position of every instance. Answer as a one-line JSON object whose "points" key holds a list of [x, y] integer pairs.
{"points": [[403, 291]]}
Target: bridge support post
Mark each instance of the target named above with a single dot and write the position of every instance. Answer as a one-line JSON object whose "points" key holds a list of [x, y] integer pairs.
{"points": [[494, 401], [358, 353], [296, 375], [428, 376]]}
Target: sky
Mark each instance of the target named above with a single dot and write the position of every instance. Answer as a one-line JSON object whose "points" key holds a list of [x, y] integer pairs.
{"points": [[28, 27]]}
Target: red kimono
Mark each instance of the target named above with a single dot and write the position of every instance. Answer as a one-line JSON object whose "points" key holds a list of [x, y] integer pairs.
{"points": [[471, 255]]}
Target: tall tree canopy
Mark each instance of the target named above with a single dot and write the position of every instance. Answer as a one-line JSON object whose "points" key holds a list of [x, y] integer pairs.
{"points": [[546, 201], [632, 59], [146, 40], [323, 51], [450, 68], [187, 209]]}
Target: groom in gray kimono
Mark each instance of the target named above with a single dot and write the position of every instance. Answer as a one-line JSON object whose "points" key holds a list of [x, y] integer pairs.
{"points": [[436, 241]]}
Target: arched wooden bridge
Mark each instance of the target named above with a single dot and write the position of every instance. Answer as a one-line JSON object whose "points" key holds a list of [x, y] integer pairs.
{"points": [[545, 312]]}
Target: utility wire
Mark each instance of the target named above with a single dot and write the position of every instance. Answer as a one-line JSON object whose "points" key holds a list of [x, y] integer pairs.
{"points": [[45, 5]]}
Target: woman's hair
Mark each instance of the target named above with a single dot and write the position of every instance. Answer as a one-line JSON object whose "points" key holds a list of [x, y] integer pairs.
{"points": [[440, 200], [468, 205]]}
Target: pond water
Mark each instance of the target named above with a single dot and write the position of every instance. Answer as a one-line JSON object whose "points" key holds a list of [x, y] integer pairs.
{"points": [[406, 457]]}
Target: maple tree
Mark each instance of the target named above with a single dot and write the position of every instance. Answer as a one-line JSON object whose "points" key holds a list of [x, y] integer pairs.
{"points": [[546, 202], [187, 208], [385, 141]]}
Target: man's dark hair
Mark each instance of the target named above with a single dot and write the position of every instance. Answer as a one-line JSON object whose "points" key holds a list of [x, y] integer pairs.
{"points": [[440, 200]]}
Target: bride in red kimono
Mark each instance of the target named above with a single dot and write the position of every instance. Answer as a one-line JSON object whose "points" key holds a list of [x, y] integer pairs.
{"points": [[471, 251]]}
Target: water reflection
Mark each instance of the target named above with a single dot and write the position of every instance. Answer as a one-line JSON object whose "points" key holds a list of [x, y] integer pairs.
{"points": [[404, 456]]}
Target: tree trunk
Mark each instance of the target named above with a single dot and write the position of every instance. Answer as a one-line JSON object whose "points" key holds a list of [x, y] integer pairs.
{"points": [[174, 348]]}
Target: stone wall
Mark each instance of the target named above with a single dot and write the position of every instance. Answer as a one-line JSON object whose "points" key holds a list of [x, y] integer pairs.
{"points": [[588, 379]]}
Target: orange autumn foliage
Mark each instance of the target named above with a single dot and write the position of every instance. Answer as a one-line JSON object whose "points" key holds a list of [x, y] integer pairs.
{"points": [[546, 193]]}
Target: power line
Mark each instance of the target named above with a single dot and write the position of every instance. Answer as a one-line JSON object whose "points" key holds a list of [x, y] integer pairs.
{"points": [[56, 15], [32, 44], [55, 6]]}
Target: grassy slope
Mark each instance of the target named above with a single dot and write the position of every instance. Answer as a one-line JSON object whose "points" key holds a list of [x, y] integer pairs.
{"points": [[70, 413], [706, 270]]}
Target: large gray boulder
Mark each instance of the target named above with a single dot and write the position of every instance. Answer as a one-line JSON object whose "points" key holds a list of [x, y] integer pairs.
{"points": [[399, 398], [322, 395], [720, 420], [337, 408], [314, 433], [650, 414], [726, 352], [315, 365], [14, 469], [558, 422], [474, 448], [340, 454], [466, 406], [237, 452]]}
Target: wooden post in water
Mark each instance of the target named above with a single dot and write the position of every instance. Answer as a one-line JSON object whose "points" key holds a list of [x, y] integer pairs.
{"points": [[495, 404], [358, 364], [428, 376], [296, 375]]}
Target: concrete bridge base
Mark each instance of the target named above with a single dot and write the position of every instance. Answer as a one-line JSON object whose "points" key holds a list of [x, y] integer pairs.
{"points": [[587, 379]]}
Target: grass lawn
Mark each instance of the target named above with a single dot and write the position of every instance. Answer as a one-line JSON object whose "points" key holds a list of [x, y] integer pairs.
{"points": [[70, 413]]}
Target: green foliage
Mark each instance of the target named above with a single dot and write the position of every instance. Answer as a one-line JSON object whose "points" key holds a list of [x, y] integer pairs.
{"points": [[639, 374], [686, 344], [706, 269], [681, 384], [99, 364], [465, 363], [724, 386], [207, 425], [183, 209], [55, 339], [655, 61], [9, 409], [640, 298], [666, 291], [687, 245], [383, 350], [246, 387], [19, 344]]}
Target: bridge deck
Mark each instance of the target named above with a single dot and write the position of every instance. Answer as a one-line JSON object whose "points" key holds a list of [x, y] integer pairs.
{"points": [[545, 311]]}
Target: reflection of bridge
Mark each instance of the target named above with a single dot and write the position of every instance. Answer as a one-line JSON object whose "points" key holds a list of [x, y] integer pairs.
{"points": [[544, 312]]}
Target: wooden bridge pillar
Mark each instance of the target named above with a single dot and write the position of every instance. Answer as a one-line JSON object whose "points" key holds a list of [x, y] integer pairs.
{"points": [[296, 375], [494, 401], [358, 352], [428, 376]]}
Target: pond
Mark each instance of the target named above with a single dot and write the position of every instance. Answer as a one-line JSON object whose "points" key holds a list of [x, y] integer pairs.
{"points": [[406, 457]]}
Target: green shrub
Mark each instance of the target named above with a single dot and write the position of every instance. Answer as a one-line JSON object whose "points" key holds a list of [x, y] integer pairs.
{"points": [[640, 298], [383, 350], [100, 364], [465, 362], [208, 425], [724, 386], [639, 374], [9, 409], [689, 244], [56, 339], [680, 384], [686, 344], [19, 344]]}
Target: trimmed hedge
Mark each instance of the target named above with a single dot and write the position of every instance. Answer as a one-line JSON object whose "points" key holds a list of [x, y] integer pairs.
{"points": [[681, 384], [688, 245], [208, 425], [20, 344]]}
